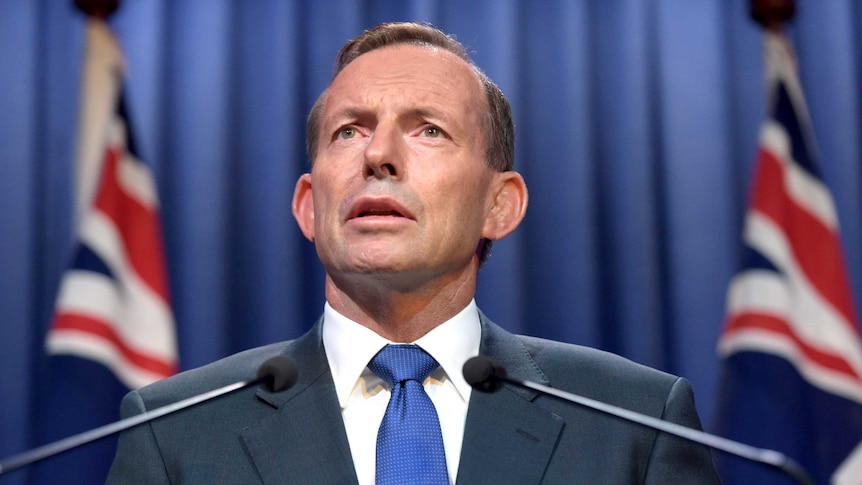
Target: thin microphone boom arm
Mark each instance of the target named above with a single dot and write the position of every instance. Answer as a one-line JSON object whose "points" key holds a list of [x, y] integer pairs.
{"points": [[275, 373], [484, 374]]}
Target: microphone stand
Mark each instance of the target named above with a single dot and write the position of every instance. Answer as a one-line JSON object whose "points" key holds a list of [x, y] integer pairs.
{"points": [[760, 455], [277, 374], [51, 449]]}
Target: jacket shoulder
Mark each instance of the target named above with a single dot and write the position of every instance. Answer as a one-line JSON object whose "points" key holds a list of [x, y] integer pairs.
{"points": [[602, 375], [238, 367]]}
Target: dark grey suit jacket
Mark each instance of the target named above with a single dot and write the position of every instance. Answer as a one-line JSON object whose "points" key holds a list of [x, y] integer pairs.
{"points": [[513, 436]]}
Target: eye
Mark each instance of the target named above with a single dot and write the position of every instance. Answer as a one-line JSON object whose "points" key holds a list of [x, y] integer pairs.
{"points": [[432, 132], [346, 133]]}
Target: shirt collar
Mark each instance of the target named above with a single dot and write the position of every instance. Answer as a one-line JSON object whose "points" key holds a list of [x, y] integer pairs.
{"points": [[350, 346]]}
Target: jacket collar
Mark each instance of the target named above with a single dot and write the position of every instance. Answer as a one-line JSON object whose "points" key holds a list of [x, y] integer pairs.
{"points": [[507, 438], [303, 440]]}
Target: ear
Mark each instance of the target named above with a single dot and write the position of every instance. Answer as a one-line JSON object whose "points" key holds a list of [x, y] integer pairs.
{"points": [[508, 206], [303, 206]]}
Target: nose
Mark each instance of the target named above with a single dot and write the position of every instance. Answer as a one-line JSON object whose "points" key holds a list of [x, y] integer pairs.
{"points": [[384, 154]]}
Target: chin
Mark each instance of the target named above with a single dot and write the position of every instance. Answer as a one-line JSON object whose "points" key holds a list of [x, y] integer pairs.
{"points": [[367, 266]]}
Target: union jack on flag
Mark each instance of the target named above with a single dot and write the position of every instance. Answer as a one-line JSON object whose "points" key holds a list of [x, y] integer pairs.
{"points": [[792, 372]]}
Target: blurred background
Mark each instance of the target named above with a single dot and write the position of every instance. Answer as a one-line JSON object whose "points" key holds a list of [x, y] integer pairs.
{"points": [[637, 126]]}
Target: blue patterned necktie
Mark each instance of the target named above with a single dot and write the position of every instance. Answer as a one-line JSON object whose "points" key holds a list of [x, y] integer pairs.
{"points": [[409, 441]]}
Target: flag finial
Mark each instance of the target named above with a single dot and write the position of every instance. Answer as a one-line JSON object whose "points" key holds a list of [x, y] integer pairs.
{"points": [[771, 14], [101, 9]]}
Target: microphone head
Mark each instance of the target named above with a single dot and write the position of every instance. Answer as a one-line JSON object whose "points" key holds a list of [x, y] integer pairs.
{"points": [[278, 374], [483, 373]]}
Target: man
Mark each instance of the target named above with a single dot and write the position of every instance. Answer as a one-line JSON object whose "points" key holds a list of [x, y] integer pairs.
{"points": [[411, 180]]}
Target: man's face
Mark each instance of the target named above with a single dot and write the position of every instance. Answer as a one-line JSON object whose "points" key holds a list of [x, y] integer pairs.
{"points": [[399, 185]]}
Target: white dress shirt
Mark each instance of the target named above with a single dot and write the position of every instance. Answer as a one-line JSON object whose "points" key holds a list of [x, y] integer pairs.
{"points": [[363, 396]]}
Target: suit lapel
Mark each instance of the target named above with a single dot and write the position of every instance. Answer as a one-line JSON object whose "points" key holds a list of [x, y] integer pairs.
{"points": [[303, 440], [507, 439]]}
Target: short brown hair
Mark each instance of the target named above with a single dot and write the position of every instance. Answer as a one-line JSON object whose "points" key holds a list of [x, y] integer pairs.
{"points": [[497, 125]]}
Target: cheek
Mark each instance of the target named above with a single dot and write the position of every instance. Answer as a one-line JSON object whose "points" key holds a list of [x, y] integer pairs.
{"points": [[324, 208], [464, 203]]}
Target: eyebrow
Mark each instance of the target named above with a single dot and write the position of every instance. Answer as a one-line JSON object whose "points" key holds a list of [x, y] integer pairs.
{"points": [[351, 112], [423, 112]]}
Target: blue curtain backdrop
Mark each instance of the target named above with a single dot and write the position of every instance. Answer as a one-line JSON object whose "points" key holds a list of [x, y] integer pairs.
{"points": [[637, 124]]}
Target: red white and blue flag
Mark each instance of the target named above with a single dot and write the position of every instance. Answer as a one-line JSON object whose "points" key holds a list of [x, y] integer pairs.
{"points": [[113, 327], [792, 372]]}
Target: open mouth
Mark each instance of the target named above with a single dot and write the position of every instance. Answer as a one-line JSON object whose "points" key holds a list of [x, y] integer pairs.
{"points": [[380, 212], [369, 207]]}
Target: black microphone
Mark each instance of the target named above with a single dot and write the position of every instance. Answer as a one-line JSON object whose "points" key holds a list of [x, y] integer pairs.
{"points": [[275, 375], [485, 374]]}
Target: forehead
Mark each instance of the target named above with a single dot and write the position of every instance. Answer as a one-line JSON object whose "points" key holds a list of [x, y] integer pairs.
{"points": [[408, 74]]}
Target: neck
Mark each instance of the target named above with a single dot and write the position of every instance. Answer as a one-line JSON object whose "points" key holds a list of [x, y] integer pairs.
{"points": [[400, 313]]}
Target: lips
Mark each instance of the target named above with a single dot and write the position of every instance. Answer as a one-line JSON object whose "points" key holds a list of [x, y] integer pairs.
{"points": [[377, 207]]}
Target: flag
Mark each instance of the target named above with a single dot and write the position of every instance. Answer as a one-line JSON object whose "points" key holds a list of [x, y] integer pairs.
{"points": [[113, 327], [792, 359]]}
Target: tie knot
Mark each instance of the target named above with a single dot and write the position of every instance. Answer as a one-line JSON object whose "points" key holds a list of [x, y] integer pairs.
{"points": [[398, 363]]}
